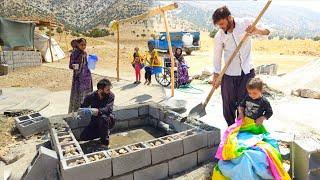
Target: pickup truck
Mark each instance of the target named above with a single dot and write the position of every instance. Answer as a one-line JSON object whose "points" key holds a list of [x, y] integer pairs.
{"points": [[188, 41]]}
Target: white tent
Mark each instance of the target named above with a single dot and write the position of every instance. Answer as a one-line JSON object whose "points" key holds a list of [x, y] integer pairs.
{"points": [[41, 43]]}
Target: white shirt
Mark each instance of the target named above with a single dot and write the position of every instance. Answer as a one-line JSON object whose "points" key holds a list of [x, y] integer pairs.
{"points": [[227, 43]]}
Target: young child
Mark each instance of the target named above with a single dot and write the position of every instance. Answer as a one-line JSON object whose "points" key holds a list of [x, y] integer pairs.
{"points": [[255, 106], [137, 64]]}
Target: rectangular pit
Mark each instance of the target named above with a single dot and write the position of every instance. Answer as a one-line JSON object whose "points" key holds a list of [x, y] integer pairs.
{"points": [[145, 138]]}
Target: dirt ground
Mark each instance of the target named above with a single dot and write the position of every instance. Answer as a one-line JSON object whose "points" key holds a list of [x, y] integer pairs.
{"points": [[52, 79]]}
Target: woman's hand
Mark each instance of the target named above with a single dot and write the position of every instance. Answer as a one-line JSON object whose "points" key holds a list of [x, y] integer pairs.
{"points": [[75, 66]]}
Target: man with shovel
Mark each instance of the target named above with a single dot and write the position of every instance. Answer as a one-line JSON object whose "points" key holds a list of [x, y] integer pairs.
{"points": [[241, 70]]}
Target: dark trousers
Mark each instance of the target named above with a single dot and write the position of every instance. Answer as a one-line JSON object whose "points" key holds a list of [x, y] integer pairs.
{"points": [[147, 74], [233, 90], [97, 128]]}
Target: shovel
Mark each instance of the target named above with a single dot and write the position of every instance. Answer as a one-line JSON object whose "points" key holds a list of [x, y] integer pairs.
{"points": [[200, 110]]}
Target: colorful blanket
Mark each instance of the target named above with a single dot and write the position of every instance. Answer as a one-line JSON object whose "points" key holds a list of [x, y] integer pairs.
{"points": [[246, 152]]}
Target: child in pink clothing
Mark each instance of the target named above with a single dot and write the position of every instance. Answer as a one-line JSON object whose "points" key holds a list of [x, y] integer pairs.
{"points": [[137, 64]]}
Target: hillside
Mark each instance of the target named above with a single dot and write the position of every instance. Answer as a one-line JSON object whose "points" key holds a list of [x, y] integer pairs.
{"points": [[286, 20], [75, 14]]}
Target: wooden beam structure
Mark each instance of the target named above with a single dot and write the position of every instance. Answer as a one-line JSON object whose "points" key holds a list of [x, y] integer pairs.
{"points": [[115, 25]]}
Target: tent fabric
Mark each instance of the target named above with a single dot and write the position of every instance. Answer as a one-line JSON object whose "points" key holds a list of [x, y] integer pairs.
{"points": [[41, 43], [14, 33]]}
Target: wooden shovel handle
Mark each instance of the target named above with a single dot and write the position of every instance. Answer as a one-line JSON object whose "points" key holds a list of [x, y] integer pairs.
{"points": [[244, 38]]}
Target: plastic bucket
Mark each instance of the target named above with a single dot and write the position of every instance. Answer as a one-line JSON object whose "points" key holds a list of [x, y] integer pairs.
{"points": [[92, 61]]}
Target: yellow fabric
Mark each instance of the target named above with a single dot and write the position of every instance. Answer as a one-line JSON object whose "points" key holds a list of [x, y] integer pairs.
{"points": [[140, 56], [113, 25], [155, 62], [217, 175]]}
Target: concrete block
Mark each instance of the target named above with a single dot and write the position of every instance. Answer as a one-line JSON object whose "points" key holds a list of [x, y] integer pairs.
{"points": [[159, 171], [154, 110], [314, 175], [194, 140], [126, 113], [100, 168], [206, 154], [63, 154], [43, 165], [214, 137], [137, 122], [33, 126], [21, 119], [143, 110], [123, 177], [87, 170], [182, 163], [121, 125], [168, 149], [153, 122], [306, 157], [132, 160]]}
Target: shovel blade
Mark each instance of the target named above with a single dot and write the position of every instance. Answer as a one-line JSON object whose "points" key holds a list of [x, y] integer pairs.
{"points": [[198, 111]]}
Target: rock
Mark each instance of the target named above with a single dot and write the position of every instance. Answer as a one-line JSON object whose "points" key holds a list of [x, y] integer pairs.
{"points": [[11, 157], [308, 93], [267, 69]]}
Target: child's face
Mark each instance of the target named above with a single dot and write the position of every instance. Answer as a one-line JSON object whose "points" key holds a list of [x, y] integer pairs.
{"points": [[254, 93]]}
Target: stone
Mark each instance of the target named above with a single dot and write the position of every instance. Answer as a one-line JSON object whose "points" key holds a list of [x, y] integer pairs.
{"points": [[159, 171], [11, 156]]}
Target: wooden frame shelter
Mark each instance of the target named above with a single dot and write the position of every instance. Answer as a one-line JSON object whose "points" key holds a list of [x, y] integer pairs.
{"points": [[115, 26]]}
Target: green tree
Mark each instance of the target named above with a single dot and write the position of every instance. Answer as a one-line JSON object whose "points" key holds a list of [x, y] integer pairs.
{"points": [[48, 33], [41, 28], [59, 31], [73, 33], [317, 38], [143, 35]]}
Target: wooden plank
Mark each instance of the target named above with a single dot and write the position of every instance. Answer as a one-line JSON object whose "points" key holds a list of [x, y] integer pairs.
{"points": [[150, 13], [164, 15], [50, 43], [118, 53]]}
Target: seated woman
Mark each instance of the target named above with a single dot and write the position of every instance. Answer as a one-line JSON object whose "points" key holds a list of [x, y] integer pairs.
{"points": [[183, 75]]}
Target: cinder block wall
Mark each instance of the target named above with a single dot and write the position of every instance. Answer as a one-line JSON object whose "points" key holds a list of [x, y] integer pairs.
{"points": [[16, 59]]}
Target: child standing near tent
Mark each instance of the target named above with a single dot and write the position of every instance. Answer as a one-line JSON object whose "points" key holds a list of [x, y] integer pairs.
{"points": [[137, 64]]}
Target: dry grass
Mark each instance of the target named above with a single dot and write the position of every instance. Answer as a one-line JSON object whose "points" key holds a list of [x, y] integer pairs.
{"points": [[41, 77], [6, 129]]}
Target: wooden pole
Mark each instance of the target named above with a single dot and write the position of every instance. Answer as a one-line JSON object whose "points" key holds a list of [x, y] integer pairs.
{"points": [[150, 13], [118, 52], [50, 43], [164, 15]]}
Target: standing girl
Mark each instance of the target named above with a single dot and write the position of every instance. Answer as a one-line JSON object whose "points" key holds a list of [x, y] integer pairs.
{"points": [[81, 79]]}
